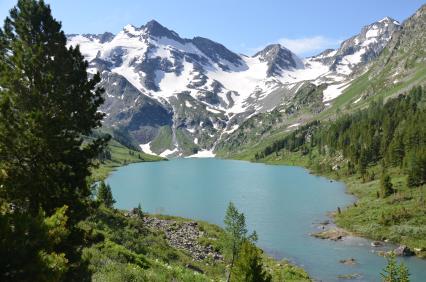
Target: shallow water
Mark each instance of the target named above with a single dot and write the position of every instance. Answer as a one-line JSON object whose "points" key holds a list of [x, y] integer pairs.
{"points": [[282, 203]]}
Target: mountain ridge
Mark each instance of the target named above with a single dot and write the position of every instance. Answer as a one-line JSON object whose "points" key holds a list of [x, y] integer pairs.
{"points": [[202, 90]]}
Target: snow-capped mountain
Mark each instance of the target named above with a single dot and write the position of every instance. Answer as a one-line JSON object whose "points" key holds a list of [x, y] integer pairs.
{"points": [[177, 95]]}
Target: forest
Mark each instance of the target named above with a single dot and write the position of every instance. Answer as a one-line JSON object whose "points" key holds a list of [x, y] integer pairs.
{"points": [[391, 134]]}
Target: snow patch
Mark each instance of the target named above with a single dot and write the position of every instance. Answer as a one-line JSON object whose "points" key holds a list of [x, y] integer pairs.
{"points": [[334, 90], [203, 154], [372, 33], [213, 110], [168, 152], [146, 148]]}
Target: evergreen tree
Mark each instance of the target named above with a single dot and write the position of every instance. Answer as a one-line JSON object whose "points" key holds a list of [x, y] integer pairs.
{"points": [[48, 104], [416, 168], [105, 195], [386, 187], [236, 233], [395, 272], [140, 211], [248, 266]]}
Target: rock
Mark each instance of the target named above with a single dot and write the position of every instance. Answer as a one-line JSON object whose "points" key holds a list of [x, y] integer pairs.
{"points": [[325, 222], [194, 268], [349, 261], [184, 236], [334, 234], [376, 244], [349, 276], [403, 251]]}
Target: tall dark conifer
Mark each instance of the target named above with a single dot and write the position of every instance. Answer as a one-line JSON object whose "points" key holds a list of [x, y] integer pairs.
{"points": [[48, 104]]}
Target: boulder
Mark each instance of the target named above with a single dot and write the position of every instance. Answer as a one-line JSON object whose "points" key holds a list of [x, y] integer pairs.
{"points": [[376, 244], [349, 261], [403, 251]]}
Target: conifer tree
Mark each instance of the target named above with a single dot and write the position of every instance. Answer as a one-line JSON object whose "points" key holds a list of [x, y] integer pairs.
{"points": [[48, 104], [386, 186], [105, 195], [395, 272], [236, 233], [248, 266]]}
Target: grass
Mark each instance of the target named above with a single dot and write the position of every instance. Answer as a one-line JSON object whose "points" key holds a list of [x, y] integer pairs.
{"points": [[362, 84], [185, 142], [129, 251], [163, 141], [400, 218], [120, 155]]}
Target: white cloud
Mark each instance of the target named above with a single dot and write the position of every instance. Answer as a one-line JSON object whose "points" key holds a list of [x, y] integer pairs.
{"points": [[307, 46]]}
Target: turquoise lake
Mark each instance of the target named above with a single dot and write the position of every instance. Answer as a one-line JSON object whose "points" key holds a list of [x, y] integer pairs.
{"points": [[284, 204]]}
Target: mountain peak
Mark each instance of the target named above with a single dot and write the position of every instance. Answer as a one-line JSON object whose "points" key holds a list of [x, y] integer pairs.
{"points": [[155, 29], [154, 25], [278, 58], [271, 48], [387, 20]]}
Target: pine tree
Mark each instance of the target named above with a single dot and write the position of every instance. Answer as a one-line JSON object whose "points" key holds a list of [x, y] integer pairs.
{"points": [[416, 168], [47, 105], [386, 187], [236, 234], [105, 195], [395, 272], [248, 266]]}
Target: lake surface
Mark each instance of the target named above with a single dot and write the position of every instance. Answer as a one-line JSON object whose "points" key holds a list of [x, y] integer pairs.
{"points": [[284, 204]]}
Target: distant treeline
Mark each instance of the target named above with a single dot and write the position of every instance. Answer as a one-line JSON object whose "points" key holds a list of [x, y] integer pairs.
{"points": [[393, 134]]}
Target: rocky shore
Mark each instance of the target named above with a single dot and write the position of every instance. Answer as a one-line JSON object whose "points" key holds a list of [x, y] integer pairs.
{"points": [[184, 236], [335, 233]]}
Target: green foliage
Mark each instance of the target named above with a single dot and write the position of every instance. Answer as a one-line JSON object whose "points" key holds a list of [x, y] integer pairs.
{"points": [[31, 246], [48, 104], [235, 233], [416, 167], [119, 156], [130, 249], [139, 211], [395, 272], [393, 133], [163, 141], [386, 185], [104, 194], [248, 266]]}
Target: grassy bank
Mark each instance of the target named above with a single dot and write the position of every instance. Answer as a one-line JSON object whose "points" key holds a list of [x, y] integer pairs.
{"points": [[130, 250], [119, 156], [399, 218]]}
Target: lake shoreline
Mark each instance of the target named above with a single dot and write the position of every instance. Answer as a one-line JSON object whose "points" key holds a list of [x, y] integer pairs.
{"points": [[332, 215], [345, 232]]}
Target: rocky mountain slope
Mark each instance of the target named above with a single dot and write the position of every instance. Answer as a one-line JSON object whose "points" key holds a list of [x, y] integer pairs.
{"points": [[397, 68], [178, 96]]}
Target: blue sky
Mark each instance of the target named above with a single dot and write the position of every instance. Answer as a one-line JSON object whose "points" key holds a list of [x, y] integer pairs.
{"points": [[243, 26]]}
